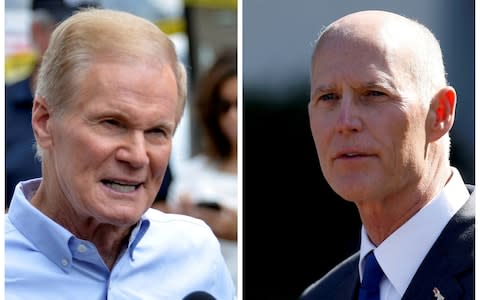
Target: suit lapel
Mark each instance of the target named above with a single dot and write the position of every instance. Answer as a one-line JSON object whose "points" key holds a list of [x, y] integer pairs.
{"points": [[345, 284], [451, 255], [347, 289]]}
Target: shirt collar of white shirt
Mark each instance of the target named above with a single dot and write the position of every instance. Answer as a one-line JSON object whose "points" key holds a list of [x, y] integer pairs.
{"points": [[403, 251]]}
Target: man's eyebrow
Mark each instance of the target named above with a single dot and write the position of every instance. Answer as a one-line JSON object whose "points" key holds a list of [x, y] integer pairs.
{"points": [[323, 88], [386, 84], [122, 116], [381, 79]]}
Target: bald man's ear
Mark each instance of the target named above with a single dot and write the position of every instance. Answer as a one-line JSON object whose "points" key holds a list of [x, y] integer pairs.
{"points": [[41, 119], [442, 112]]}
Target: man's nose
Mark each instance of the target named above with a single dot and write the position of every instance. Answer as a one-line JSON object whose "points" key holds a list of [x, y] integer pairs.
{"points": [[349, 115], [134, 150]]}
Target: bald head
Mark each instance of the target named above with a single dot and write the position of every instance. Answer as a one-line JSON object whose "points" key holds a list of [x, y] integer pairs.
{"points": [[379, 94], [370, 21], [394, 37]]}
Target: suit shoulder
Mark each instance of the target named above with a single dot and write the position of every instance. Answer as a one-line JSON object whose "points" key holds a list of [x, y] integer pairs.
{"points": [[341, 278]]}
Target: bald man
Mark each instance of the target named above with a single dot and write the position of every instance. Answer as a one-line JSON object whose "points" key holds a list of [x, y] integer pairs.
{"points": [[380, 114]]}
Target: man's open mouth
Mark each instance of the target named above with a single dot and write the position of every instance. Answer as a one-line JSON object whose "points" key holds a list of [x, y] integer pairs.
{"points": [[120, 186]]}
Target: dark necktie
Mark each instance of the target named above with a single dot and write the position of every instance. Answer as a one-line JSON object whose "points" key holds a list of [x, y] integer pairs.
{"points": [[372, 274]]}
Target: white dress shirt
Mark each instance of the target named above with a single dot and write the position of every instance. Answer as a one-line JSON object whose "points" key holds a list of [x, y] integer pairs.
{"points": [[401, 254]]}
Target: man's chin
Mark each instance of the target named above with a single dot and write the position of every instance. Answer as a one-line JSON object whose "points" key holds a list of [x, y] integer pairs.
{"points": [[353, 192], [124, 218]]}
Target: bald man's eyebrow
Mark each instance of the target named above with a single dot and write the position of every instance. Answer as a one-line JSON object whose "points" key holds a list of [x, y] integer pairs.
{"points": [[379, 84], [325, 87], [382, 80], [322, 89]]}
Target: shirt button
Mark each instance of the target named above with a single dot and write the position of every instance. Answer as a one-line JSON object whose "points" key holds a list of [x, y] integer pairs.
{"points": [[64, 262], [81, 248]]}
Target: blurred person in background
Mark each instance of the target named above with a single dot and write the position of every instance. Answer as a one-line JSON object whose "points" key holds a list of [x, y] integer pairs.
{"points": [[205, 186], [20, 162], [110, 94]]}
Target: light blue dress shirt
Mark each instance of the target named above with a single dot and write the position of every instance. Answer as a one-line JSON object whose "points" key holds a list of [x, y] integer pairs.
{"points": [[168, 256]]}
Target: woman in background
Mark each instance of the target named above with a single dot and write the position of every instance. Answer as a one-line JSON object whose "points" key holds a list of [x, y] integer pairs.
{"points": [[206, 185]]}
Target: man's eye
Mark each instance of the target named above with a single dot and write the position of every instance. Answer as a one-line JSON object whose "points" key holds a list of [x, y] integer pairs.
{"points": [[111, 122], [157, 131], [158, 135], [375, 93], [327, 97]]}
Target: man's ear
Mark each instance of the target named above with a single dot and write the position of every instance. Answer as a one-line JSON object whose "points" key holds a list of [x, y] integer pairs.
{"points": [[41, 122], [442, 112]]}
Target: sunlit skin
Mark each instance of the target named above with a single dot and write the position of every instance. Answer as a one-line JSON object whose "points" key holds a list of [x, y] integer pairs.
{"points": [[372, 130], [119, 130]]}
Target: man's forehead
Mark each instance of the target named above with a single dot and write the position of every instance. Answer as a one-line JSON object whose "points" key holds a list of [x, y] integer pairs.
{"points": [[365, 26], [383, 45]]}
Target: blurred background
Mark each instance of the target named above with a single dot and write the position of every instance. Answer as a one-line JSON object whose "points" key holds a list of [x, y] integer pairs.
{"points": [[200, 29], [295, 227]]}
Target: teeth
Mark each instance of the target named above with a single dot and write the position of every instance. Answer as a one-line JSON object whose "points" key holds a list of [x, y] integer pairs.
{"points": [[351, 154], [122, 188]]}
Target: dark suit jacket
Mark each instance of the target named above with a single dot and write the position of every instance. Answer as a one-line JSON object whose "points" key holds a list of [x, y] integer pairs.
{"points": [[448, 266]]}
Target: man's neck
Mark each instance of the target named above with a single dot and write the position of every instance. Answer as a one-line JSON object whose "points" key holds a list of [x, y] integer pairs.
{"points": [[109, 239], [383, 217]]}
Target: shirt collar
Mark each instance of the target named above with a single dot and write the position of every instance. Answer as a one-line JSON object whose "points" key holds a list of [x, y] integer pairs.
{"points": [[137, 234], [402, 252], [53, 240], [47, 236]]}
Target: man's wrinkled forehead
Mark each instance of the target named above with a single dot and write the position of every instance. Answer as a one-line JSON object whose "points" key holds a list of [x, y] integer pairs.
{"points": [[382, 31]]}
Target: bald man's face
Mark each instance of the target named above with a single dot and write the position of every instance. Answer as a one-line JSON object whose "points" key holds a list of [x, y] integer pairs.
{"points": [[366, 117]]}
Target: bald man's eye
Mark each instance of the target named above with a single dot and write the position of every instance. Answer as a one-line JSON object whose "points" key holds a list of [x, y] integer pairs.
{"points": [[328, 97]]}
